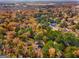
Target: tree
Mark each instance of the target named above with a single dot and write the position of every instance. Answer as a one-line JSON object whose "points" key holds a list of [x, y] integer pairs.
{"points": [[48, 45], [77, 25], [69, 52], [68, 39], [52, 35]]}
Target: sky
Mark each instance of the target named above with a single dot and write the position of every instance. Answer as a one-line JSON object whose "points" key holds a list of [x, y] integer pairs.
{"points": [[32, 0]]}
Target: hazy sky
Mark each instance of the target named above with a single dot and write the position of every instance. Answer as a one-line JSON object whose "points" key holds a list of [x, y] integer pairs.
{"points": [[34, 0]]}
